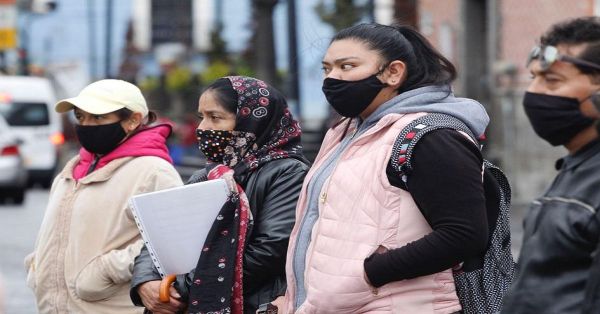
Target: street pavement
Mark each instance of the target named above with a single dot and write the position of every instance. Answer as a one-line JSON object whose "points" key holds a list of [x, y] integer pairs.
{"points": [[18, 230]]}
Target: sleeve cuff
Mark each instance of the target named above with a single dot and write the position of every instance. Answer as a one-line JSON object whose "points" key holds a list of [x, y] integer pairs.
{"points": [[135, 296], [375, 271]]}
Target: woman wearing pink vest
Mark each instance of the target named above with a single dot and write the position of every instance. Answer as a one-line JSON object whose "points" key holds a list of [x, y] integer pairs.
{"points": [[362, 244]]}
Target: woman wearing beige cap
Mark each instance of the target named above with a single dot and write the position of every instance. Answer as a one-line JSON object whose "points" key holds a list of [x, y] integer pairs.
{"points": [[88, 240]]}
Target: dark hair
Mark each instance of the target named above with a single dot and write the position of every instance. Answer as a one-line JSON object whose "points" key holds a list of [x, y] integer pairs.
{"points": [[125, 114], [424, 64], [583, 30], [224, 93]]}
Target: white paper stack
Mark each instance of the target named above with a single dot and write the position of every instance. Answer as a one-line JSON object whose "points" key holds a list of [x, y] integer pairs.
{"points": [[174, 223]]}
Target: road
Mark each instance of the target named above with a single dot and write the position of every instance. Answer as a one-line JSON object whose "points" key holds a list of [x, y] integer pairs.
{"points": [[18, 230]]}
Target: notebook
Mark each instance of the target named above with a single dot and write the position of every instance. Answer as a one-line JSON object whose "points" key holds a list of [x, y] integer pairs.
{"points": [[174, 223]]}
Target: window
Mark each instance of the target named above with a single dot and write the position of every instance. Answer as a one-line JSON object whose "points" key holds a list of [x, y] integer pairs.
{"points": [[25, 114]]}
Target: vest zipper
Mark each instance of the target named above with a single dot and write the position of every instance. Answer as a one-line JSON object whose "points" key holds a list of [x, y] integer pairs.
{"points": [[323, 197], [322, 200]]}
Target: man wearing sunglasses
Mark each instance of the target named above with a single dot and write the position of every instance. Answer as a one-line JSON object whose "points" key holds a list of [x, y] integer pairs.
{"points": [[559, 265]]}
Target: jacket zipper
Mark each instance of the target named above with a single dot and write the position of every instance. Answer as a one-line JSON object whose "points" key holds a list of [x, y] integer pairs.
{"points": [[93, 165], [65, 220]]}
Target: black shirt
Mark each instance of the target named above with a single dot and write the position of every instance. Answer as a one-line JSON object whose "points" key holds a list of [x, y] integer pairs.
{"points": [[446, 184]]}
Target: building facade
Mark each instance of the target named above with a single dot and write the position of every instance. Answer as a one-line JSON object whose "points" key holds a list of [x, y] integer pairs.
{"points": [[489, 41]]}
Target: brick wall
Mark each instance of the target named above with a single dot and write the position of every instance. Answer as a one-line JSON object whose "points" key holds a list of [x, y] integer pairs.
{"points": [[435, 15], [522, 23]]}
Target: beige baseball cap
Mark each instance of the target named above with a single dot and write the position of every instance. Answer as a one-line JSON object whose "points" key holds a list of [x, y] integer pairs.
{"points": [[106, 96]]}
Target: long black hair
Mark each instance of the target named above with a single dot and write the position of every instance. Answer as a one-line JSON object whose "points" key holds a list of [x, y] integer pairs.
{"points": [[424, 64]]}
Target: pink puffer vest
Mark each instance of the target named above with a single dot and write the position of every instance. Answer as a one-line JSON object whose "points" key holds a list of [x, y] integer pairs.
{"points": [[359, 211]]}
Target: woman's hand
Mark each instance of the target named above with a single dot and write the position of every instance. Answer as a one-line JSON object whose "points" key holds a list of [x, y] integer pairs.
{"points": [[148, 291], [93, 282], [279, 303], [380, 250]]}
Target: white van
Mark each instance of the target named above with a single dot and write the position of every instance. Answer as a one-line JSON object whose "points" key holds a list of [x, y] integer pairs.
{"points": [[27, 104]]}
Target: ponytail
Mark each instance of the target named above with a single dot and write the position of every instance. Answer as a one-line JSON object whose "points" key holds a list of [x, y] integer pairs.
{"points": [[429, 67], [424, 64], [151, 118]]}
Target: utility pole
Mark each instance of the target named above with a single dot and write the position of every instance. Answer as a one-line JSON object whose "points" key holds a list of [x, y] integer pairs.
{"points": [[371, 10], [91, 6], [107, 56], [219, 14], [2, 62], [294, 73]]}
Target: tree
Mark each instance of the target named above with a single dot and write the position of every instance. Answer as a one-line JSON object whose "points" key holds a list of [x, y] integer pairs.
{"points": [[262, 50], [129, 68], [344, 13], [218, 46]]}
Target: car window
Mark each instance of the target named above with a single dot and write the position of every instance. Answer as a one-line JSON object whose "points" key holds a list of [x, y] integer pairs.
{"points": [[25, 113]]}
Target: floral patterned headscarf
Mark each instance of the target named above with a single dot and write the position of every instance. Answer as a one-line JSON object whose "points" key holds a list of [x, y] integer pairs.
{"points": [[264, 128]]}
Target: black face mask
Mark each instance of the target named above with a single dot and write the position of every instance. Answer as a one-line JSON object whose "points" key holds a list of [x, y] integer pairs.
{"points": [[556, 119], [350, 98], [100, 139]]}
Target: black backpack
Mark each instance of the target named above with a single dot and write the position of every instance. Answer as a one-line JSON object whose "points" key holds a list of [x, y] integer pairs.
{"points": [[481, 282]]}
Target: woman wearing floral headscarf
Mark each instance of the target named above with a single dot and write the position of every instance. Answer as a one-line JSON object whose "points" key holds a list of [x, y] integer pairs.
{"points": [[250, 139]]}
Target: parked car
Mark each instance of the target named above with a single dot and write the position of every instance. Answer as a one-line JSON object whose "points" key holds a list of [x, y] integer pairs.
{"points": [[27, 105], [13, 174]]}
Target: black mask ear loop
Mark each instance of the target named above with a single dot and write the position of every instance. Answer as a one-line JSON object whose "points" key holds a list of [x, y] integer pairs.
{"points": [[383, 68], [594, 97]]}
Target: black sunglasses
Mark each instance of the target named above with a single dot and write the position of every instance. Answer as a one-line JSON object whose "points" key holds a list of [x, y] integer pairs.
{"points": [[547, 55]]}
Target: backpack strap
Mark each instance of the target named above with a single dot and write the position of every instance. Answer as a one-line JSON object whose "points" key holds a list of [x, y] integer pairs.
{"points": [[402, 151]]}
